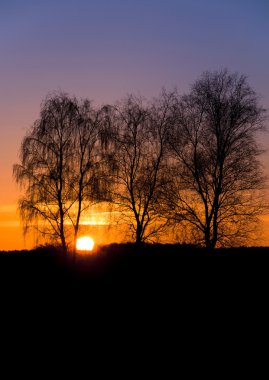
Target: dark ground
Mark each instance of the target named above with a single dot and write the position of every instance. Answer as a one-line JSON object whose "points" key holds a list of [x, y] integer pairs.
{"points": [[125, 266], [129, 297], [159, 284]]}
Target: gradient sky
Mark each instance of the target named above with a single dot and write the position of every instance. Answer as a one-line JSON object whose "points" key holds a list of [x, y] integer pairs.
{"points": [[104, 49]]}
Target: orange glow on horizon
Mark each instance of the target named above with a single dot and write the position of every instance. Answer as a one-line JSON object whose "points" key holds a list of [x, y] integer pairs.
{"points": [[94, 224]]}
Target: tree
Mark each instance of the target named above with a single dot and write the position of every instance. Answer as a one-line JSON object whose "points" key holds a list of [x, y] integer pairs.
{"points": [[218, 180], [89, 173], [140, 137], [59, 167]]}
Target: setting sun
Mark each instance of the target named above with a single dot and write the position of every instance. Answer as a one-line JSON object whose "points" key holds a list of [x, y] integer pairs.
{"points": [[85, 243]]}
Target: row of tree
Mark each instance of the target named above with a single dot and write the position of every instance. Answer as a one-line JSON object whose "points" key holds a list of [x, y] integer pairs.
{"points": [[188, 163]]}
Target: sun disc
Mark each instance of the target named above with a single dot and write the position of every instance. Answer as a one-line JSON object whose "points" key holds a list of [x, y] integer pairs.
{"points": [[85, 243]]}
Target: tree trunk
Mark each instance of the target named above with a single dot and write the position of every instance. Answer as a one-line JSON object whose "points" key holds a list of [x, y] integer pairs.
{"points": [[210, 242], [138, 240], [63, 242]]}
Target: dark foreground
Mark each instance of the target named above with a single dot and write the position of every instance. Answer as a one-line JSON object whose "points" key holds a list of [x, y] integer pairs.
{"points": [[153, 292], [127, 266]]}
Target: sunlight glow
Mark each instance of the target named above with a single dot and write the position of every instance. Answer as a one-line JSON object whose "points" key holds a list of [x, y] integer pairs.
{"points": [[85, 243]]}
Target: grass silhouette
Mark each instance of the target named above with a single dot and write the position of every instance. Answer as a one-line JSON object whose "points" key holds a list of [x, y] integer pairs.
{"points": [[158, 264], [125, 287]]}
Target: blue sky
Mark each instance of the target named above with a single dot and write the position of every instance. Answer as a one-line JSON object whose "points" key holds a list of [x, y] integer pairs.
{"points": [[103, 49]]}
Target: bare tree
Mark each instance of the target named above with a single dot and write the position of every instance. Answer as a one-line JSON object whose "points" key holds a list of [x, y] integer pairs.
{"points": [[58, 168], [139, 159], [88, 182], [217, 176]]}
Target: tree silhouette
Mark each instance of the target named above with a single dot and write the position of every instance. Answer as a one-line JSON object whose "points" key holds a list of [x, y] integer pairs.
{"points": [[60, 167], [140, 137], [89, 174], [190, 161], [217, 176]]}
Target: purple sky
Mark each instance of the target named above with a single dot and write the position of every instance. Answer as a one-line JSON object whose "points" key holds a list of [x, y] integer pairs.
{"points": [[103, 49]]}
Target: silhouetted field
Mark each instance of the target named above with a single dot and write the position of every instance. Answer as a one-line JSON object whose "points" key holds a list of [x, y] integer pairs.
{"points": [[129, 265], [153, 286]]}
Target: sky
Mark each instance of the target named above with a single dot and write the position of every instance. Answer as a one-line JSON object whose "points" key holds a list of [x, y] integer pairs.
{"points": [[105, 49]]}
